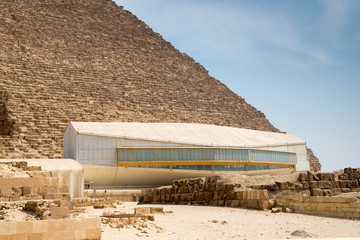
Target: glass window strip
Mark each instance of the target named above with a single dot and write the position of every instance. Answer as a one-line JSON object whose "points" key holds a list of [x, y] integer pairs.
{"points": [[201, 154]]}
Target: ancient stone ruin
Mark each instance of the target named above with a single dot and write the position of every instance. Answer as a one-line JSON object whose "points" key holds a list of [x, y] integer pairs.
{"points": [[47, 212], [63, 61], [314, 193]]}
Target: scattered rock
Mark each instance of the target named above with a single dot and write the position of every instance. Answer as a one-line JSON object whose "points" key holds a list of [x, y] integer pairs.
{"points": [[301, 233], [288, 210], [99, 206], [276, 210]]}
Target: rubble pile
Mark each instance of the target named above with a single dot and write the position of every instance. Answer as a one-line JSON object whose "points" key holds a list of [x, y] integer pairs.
{"points": [[142, 220]]}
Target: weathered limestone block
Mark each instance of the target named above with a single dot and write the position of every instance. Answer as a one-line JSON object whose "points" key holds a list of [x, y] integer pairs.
{"points": [[298, 186], [142, 210], [326, 176], [266, 204], [208, 197], [306, 185], [222, 195], [345, 190], [303, 176], [200, 196], [327, 192], [325, 184], [231, 196], [229, 187], [282, 185], [254, 204], [167, 197], [239, 195], [59, 212], [354, 183], [6, 191], [312, 176], [314, 184], [345, 183], [212, 187], [177, 198], [317, 192], [335, 191]]}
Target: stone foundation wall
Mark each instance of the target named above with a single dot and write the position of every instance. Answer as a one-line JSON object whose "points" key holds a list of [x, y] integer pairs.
{"points": [[59, 229], [299, 195], [208, 191], [326, 206]]}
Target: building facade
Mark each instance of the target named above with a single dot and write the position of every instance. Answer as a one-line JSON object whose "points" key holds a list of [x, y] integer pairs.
{"points": [[145, 154]]}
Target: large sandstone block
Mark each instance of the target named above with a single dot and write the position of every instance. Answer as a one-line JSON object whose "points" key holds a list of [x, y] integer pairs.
{"points": [[325, 184], [235, 203], [317, 192], [6, 191], [7, 228], [200, 196], [282, 185], [208, 196], [312, 176], [59, 212], [326, 176], [93, 234], [142, 210], [5, 182], [231, 196], [345, 183], [254, 204], [303, 177], [264, 204], [23, 227], [40, 226]]}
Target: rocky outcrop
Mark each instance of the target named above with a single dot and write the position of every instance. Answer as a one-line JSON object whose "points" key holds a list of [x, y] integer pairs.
{"points": [[68, 60]]}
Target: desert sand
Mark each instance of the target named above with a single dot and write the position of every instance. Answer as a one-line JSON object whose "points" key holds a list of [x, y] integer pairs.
{"points": [[207, 222]]}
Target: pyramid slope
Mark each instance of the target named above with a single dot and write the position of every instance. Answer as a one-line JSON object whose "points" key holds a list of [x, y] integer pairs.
{"points": [[76, 60]]}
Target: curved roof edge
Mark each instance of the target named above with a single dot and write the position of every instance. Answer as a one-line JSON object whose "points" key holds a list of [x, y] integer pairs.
{"points": [[186, 133]]}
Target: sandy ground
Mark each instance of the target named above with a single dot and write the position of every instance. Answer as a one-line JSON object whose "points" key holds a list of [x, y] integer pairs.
{"points": [[205, 222]]}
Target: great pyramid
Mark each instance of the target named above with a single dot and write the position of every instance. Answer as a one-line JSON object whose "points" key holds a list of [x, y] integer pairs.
{"points": [[91, 60]]}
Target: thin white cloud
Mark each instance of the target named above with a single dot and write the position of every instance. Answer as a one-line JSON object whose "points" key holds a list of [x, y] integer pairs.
{"points": [[336, 13], [233, 29]]}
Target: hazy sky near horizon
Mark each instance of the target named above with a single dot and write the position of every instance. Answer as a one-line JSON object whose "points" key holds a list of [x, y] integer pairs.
{"points": [[296, 61]]}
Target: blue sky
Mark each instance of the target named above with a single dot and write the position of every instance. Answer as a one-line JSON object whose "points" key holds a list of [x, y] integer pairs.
{"points": [[296, 61]]}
